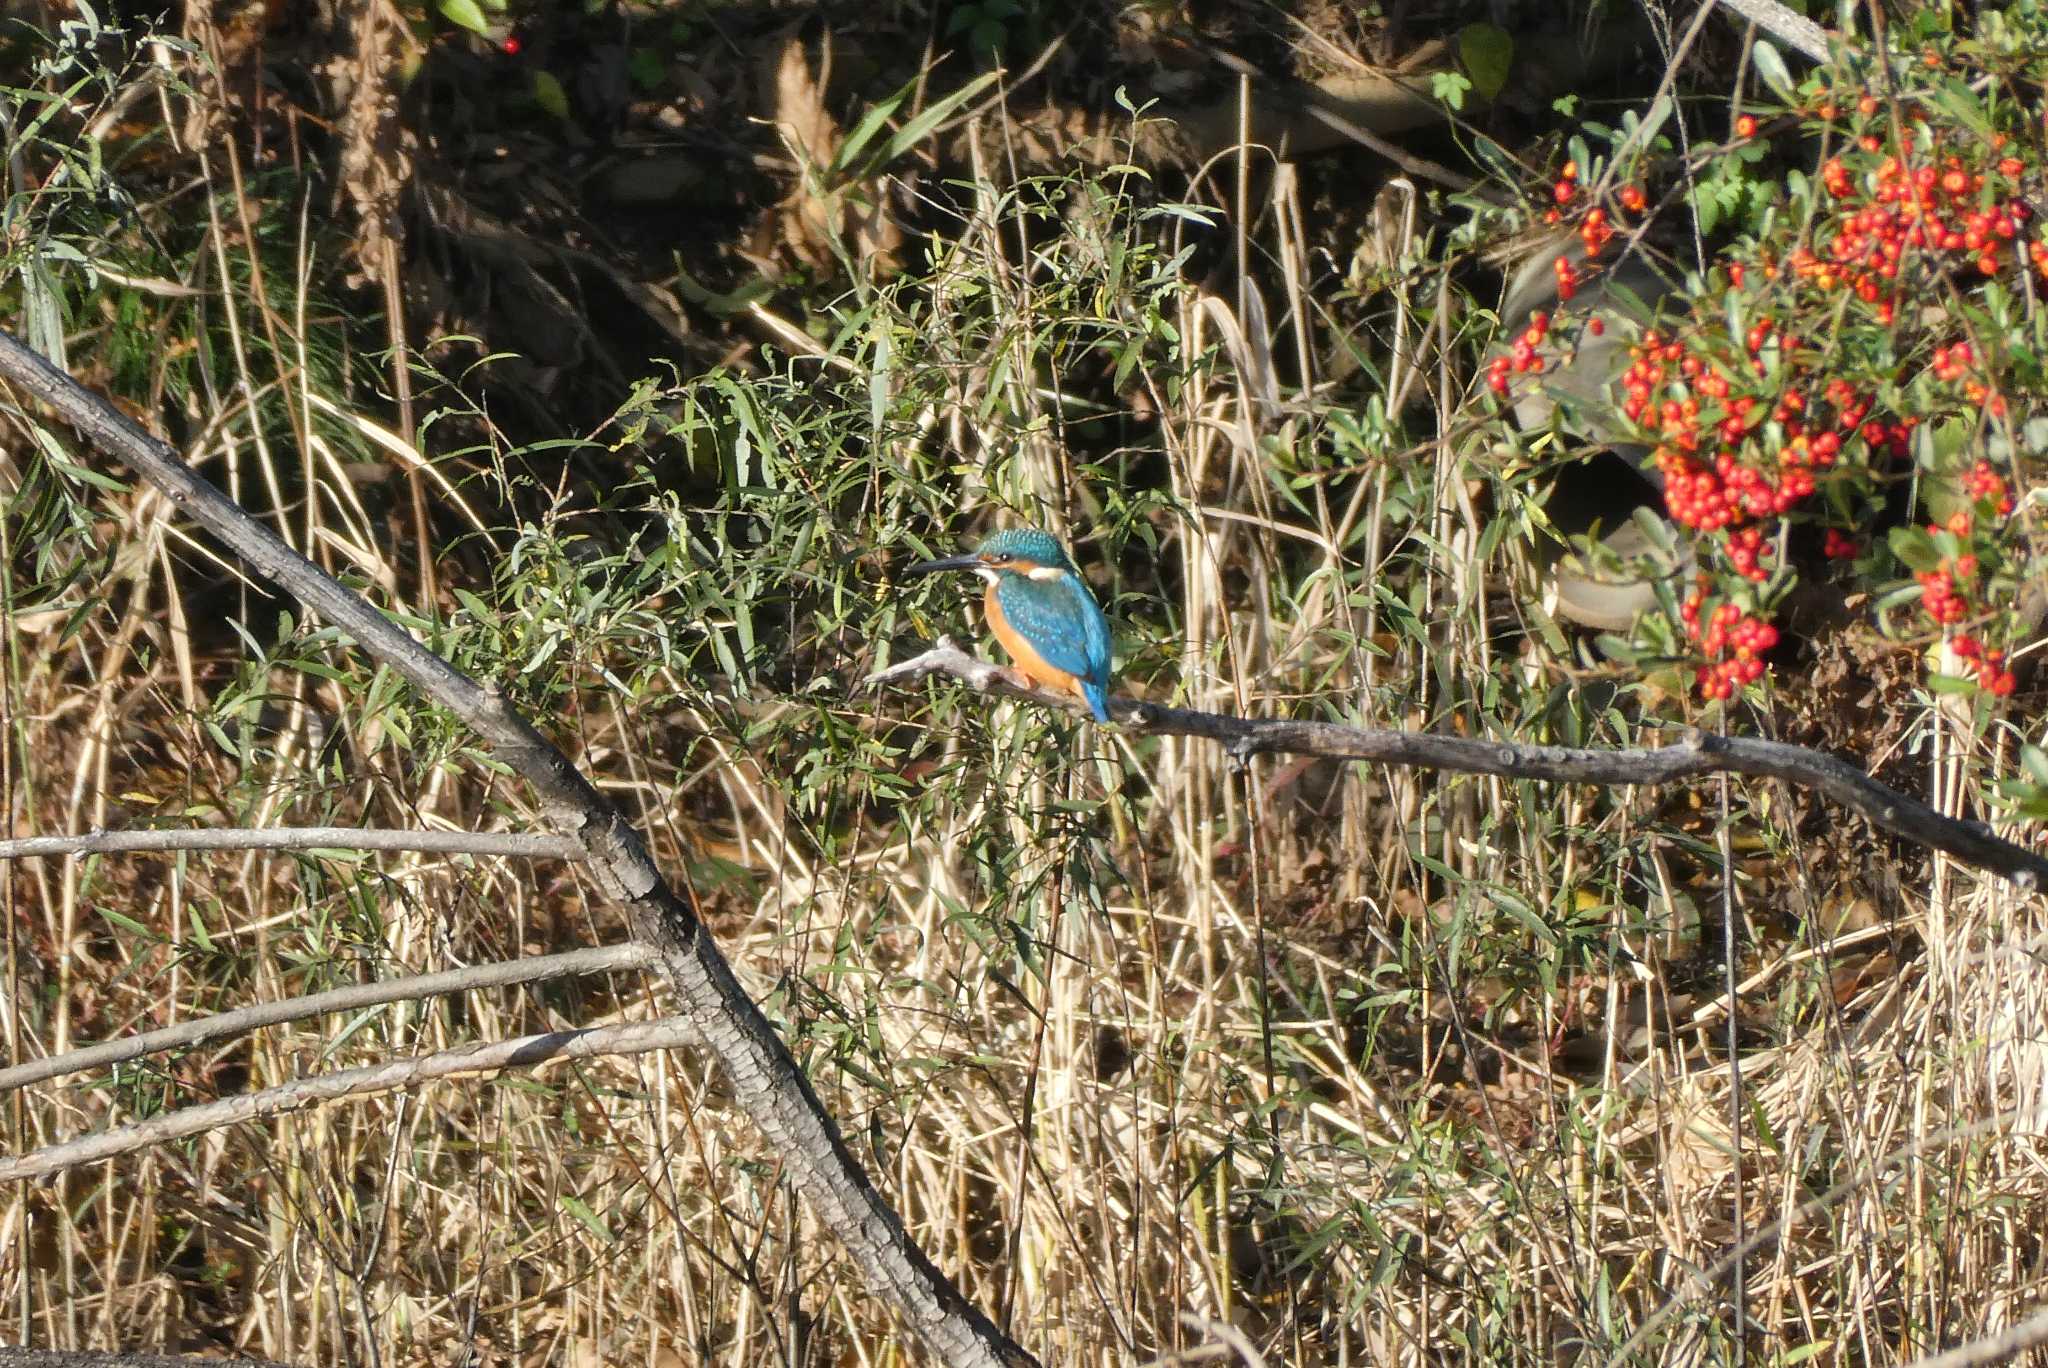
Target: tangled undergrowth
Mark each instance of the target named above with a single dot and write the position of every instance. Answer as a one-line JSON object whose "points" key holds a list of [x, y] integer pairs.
{"points": [[1368, 1065]]}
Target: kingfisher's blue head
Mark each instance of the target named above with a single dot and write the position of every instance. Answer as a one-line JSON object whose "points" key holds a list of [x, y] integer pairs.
{"points": [[1022, 551]]}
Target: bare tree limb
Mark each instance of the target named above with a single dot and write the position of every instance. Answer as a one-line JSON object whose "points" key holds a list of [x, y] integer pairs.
{"points": [[1789, 27], [764, 1077], [602, 959], [1697, 753], [627, 1038], [512, 845]]}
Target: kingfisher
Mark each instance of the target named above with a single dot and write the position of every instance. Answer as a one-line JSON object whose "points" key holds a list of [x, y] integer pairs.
{"points": [[1041, 612]]}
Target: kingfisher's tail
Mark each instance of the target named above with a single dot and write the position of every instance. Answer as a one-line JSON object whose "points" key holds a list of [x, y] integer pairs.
{"points": [[1098, 699]]}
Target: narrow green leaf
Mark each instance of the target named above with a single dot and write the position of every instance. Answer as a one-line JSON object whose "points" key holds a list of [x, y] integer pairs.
{"points": [[919, 128], [549, 95], [466, 13], [1771, 67], [587, 1218]]}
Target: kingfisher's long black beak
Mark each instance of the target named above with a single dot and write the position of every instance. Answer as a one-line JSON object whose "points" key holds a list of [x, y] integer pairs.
{"points": [[948, 563]]}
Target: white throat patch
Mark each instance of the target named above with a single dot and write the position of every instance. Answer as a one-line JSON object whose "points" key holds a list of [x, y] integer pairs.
{"points": [[1046, 572], [987, 574]]}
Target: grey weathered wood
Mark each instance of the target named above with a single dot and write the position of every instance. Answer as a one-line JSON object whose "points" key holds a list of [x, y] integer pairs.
{"points": [[765, 1079], [515, 845], [603, 959]]}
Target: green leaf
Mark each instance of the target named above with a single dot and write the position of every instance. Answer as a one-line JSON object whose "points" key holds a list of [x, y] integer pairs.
{"points": [[647, 68], [1617, 648], [864, 132], [549, 95], [1487, 53], [129, 924], [1915, 549], [1449, 87], [587, 1218], [919, 128], [466, 13], [1771, 67], [2035, 761]]}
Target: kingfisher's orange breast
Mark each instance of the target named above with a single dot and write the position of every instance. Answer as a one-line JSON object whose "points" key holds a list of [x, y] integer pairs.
{"points": [[1027, 658]]}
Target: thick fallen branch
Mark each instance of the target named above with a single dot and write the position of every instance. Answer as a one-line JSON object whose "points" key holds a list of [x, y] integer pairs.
{"points": [[1697, 753], [629, 1038], [602, 959], [512, 845], [765, 1079]]}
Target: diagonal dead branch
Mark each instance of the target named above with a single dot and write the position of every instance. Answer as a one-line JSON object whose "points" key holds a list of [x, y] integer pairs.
{"points": [[1697, 753], [627, 1038], [765, 1078], [602, 959], [512, 845]]}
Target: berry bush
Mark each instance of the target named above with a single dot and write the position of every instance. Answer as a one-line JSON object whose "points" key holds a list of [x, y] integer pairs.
{"points": [[1848, 388]]}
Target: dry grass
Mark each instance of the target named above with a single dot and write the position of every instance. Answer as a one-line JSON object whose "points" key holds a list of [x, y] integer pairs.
{"points": [[1375, 1067]]}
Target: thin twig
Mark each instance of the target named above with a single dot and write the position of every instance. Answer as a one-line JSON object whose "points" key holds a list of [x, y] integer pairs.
{"points": [[626, 1038], [512, 845], [766, 1081], [2003, 1347], [1364, 137], [603, 959], [1694, 755]]}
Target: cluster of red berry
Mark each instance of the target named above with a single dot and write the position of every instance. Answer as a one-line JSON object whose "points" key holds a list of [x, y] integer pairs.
{"points": [[1706, 440], [1945, 590], [1745, 416], [1523, 358], [1895, 212], [1733, 642], [1595, 229], [1990, 665]]}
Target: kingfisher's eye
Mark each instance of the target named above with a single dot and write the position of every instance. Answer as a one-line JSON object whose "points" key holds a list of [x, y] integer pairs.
{"points": [[1001, 558]]}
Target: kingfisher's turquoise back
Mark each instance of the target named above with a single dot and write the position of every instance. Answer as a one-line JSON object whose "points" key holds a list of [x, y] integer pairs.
{"points": [[1062, 621]]}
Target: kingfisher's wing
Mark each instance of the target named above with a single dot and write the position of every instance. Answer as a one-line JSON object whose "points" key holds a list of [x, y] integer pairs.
{"points": [[1095, 628], [1061, 622]]}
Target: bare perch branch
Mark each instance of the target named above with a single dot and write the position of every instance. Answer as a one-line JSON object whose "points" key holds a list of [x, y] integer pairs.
{"points": [[602, 959], [512, 845], [628, 1038], [765, 1079], [1698, 753]]}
